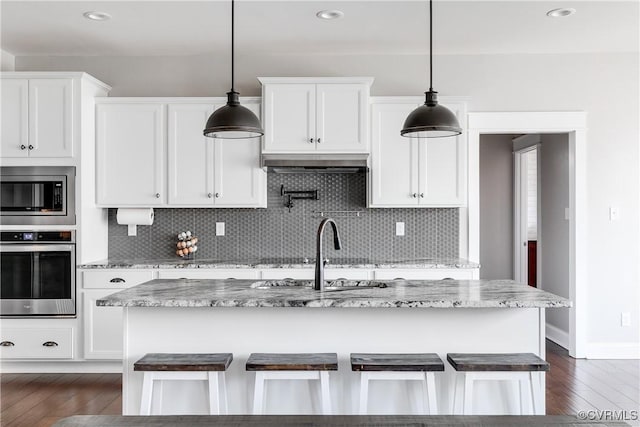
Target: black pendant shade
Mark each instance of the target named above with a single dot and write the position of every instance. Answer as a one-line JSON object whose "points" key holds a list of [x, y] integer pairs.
{"points": [[233, 121], [431, 120]]}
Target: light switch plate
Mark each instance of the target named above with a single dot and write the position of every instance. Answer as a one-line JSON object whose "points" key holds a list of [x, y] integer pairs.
{"points": [[625, 319], [567, 214], [614, 213], [399, 228], [220, 229]]}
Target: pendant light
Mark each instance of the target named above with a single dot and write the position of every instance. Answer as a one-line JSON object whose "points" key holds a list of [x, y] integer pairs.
{"points": [[431, 120], [233, 121]]}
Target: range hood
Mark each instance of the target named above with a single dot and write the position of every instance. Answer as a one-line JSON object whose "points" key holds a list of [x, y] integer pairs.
{"points": [[315, 163]]}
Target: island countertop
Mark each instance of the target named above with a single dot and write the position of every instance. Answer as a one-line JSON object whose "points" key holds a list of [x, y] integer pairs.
{"points": [[342, 294]]}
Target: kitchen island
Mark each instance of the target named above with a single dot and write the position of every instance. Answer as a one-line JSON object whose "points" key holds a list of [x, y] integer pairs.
{"points": [[246, 316]]}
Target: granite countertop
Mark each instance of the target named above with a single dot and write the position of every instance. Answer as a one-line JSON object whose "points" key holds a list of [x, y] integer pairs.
{"points": [[262, 263], [342, 293]]}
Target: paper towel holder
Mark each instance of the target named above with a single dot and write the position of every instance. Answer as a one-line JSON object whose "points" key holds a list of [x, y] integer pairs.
{"points": [[134, 217]]}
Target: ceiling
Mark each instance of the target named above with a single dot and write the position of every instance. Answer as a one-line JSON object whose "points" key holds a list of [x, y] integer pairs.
{"points": [[154, 28]]}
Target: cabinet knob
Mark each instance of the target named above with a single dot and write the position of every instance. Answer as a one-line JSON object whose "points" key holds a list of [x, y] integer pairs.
{"points": [[49, 344], [217, 195], [319, 141], [310, 140], [117, 280], [157, 195], [422, 195], [414, 195], [30, 147], [209, 195], [23, 147], [6, 344]]}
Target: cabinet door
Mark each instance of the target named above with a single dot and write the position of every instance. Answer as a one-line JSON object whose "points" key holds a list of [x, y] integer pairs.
{"points": [[394, 158], [442, 169], [51, 117], [14, 136], [102, 327], [190, 155], [289, 117], [239, 179], [130, 155], [341, 117]]}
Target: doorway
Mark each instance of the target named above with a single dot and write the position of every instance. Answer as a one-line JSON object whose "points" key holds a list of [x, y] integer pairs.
{"points": [[526, 211]]}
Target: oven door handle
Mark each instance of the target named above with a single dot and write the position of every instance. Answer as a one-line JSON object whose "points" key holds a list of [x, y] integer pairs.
{"points": [[12, 247]]}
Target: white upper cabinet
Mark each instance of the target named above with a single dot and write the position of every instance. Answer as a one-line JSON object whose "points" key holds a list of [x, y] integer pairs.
{"points": [[211, 172], [131, 154], [411, 172], [37, 117], [315, 114]]}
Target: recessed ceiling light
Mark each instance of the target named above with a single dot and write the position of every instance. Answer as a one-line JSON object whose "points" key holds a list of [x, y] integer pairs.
{"points": [[562, 12], [330, 14], [97, 16]]}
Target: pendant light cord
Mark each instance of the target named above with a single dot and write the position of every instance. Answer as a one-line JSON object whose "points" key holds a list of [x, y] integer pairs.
{"points": [[430, 45], [232, 44]]}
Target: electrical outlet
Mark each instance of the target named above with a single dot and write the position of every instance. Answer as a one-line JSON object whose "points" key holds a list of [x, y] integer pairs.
{"points": [[614, 213], [399, 228], [567, 214], [625, 319], [220, 229]]}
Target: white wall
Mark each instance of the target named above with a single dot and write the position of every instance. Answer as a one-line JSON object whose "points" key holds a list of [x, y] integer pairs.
{"points": [[496, 206], [604, 85], [7, 61], [554, 228]]}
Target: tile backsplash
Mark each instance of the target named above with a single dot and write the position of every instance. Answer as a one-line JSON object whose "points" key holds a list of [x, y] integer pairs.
{"points": [[276, 232]]}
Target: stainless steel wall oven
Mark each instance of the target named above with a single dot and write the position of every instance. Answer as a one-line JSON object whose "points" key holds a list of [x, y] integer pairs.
{"points": [[42, 195], [38, 273]]}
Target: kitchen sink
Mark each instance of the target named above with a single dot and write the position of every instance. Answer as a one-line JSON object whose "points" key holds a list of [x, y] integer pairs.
{"points": [[330, 285]]}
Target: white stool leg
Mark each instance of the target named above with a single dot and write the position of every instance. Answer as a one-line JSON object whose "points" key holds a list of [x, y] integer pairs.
{"points": [[147, 391], [214, 393], [536, 394], [326, 394], [431, 393], [525, 399], [467, 407], [364, 393], [314, 394], [258, 394], [222, 384], [458, 389], [156, 400]]}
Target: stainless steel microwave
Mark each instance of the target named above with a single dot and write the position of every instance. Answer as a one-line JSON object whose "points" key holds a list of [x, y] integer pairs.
{"points": [[41, 195]]}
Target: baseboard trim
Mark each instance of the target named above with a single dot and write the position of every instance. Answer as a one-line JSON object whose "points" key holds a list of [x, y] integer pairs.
{"points": [[557, 335], [614, 350], [61, 367]]}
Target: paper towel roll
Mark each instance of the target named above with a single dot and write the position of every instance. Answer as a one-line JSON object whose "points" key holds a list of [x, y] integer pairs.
{"points": [[133, 217]]}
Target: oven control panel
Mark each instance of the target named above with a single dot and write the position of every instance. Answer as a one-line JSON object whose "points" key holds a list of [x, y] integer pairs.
{"points": [[37, 236]]}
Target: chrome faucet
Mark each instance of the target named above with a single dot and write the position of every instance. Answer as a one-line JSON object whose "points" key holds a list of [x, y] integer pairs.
{"points": [[320, 261]]}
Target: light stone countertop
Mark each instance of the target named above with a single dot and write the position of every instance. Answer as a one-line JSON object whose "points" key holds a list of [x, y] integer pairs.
{"points": [[264, 263], [360, 294]]}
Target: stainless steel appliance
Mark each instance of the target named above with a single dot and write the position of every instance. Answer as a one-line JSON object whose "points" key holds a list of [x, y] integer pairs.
{"points": [[37, 273], [43, 195]]}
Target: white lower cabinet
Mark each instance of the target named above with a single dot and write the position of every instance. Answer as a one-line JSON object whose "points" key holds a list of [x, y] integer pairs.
{"points": [[309, 273], [201, 273], [103, 325], [36, 343]]}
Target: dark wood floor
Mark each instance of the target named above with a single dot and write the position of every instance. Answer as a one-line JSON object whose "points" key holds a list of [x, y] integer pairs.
{"points": [[38, 400]]}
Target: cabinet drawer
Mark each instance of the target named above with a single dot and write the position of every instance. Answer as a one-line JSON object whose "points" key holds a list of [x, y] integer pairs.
{"points": [[431, 274], [309, 273], [40, 343], [114, 279], [212, 273]]}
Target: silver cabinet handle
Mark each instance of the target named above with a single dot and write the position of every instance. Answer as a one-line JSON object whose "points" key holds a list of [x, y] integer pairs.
{"points": [[49, 344], [319, 141], [209, 195], [217, 195], [157, 195], [422, 195], [310, 140], [117, 280], [6, 344], [23, 147], [414, 195], [30, 147]]}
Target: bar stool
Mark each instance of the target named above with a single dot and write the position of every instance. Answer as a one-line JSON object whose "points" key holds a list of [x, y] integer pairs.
{"points": [[519, 367], [410, 367], [171, 367], [292, 366]]}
